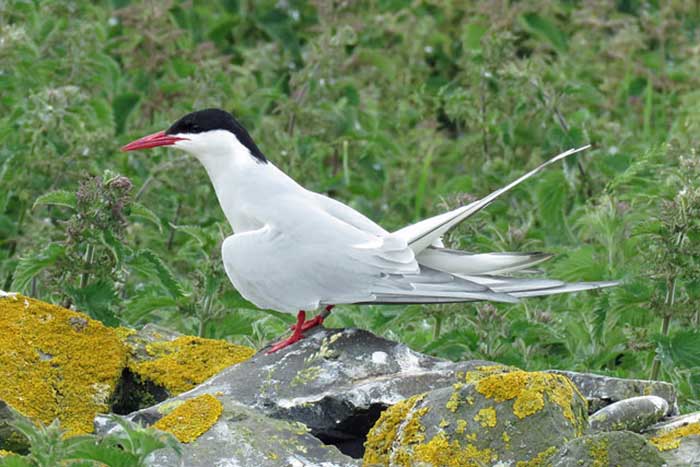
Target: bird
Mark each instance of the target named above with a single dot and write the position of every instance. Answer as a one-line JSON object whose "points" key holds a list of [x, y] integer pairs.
{"points": [[297, 251]]}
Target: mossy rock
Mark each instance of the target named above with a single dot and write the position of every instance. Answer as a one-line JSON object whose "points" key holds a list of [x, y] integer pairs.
{"points": [[215, 430], [60, 364], [490, 415], [615, 448], [159, 358], [57, 363], [679, 443]]}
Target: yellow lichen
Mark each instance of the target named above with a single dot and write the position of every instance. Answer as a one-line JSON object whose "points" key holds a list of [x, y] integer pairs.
{"points": [[506, 439], [598, 450], [540, 460], [183, 363], [440, 451], [191, 419], [672, 439], [528, 389], [487, 417], [4, 453], [48, 366], [454, 401], [461, 427], [483, 371], [381, 437]]}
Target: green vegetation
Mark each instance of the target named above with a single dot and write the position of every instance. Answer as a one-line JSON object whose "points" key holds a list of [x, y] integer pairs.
{"points": [[128, 447], [402, 109]]}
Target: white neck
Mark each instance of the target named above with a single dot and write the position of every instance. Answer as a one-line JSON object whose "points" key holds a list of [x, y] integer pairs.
{"points": [[242, 183]]}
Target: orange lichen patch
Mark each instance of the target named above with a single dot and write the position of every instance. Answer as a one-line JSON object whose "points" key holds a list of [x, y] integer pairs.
{"points": [[181, 364], [486, 417], [402, 415], [540, 460], [192, 418], [48, 365], [440, 451], [672, 439], [529, 389]]}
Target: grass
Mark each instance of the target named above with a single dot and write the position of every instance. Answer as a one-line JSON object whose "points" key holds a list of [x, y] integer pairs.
{"points": [[400, 108]]}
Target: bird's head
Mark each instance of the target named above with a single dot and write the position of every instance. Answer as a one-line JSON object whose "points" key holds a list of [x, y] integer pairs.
{"points": [[205, 133]]}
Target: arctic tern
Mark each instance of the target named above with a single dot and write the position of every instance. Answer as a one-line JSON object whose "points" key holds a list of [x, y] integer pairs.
{"points": [[295, 251]]}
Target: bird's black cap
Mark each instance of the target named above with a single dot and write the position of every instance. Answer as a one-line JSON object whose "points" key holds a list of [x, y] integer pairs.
{"points": [[216, 119]]}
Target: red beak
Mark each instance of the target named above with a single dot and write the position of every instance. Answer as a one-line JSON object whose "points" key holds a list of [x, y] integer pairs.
{"points": [[152, 141]]}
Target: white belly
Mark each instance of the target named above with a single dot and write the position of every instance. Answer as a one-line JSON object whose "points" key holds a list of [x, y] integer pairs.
{"points": [[266, 274]]}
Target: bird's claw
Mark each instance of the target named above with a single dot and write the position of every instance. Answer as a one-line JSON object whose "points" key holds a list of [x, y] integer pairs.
{"points": [[312, 323], [296, 337]]}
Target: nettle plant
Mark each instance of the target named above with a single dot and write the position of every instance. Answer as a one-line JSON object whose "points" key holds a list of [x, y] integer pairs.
{"points": [[88, 263], [673, 259]]}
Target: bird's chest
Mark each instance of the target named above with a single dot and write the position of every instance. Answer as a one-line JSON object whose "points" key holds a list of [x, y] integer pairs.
{"points": [[263, 267]]}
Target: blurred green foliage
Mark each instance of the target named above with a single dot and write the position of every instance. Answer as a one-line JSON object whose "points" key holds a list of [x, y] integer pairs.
{"points": [[401, 108]]}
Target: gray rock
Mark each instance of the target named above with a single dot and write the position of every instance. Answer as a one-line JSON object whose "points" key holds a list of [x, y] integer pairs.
{"points": [[243, 437], [11, 439], [505, 417], [336, 381], [678, 439], [603, 390], [672, 423], [634, 414], [615, 448]]}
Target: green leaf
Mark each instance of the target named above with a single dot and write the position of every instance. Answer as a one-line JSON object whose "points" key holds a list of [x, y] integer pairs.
{"points": [[122, 106], [546, 30], [680, 349], [29, 266], [139, 210], [96, 300], [142, 306], [57, 198], [153, 266]]}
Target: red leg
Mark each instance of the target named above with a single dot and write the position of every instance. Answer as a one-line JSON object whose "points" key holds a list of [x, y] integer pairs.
{"points": [[315, 321], [296, 335]]}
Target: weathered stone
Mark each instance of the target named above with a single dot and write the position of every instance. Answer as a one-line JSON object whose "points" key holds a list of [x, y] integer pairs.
{"points": [[678, 439], [336, 381], [241, 437], [634, 414], [491, 415], [615, 448], [56, 363], [11, 439], [602, 390]]}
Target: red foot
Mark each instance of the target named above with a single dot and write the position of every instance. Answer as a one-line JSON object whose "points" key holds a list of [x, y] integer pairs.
{"points": [[315, 321], [296, 335]]}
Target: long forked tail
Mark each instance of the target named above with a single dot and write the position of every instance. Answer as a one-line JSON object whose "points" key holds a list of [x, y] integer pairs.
{"points": [[424, 233]]}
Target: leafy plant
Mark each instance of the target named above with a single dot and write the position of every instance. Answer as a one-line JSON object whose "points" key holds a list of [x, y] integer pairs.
{"points": [[129, 446]]}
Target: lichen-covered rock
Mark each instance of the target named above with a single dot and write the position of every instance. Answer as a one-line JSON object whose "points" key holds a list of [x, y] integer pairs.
{"points": [[56, 363], [678, 440], [493, 414], [615, 448], [634, 414], [189, 419], [235, 436], [602, 390], [336, 381], [176, 362]]}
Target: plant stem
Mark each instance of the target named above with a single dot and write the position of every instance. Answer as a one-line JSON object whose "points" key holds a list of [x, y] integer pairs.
{"points": [[665, 324], [438, 326], [89, 256]]}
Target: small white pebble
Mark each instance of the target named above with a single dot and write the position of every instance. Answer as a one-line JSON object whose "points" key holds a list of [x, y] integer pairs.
{"points": [[379, 358]]}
